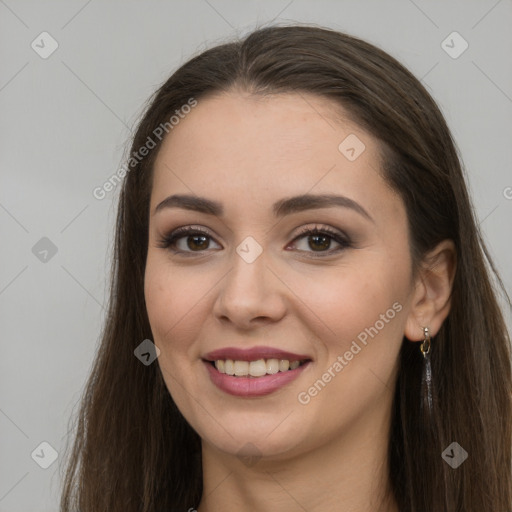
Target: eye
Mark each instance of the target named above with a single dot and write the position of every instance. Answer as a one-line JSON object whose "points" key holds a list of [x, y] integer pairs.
{"points": [[188, 240], [319, 240], [195, 240]]}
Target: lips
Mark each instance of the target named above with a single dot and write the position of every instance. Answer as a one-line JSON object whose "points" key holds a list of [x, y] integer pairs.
{"points": [[239, 384]]}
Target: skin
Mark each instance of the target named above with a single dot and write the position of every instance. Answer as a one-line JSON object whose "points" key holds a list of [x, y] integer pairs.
{"points": [[248, 152]]}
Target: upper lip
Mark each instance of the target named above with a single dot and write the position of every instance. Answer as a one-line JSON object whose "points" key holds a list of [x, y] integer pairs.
{"points": [[253, 354]]}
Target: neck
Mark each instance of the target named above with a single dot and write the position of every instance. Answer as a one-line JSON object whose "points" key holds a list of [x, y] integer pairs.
{"points": [[348, 474]]}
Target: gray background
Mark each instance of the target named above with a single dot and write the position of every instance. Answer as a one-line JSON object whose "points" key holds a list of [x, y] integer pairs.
{"points": [[64, 125]]}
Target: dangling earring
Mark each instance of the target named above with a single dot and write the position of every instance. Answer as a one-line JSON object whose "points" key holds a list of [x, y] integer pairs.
{"points": [[426, 379]]}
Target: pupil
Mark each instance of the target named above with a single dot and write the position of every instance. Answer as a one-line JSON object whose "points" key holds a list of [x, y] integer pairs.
{"points": [[323, 237], [196, 237]]}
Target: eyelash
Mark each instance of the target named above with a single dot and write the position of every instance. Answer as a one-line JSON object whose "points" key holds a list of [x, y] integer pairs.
{"points": [[168, 241]]}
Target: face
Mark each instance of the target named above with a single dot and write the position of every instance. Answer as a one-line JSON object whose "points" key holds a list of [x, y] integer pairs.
{"points": [[249, 282]]}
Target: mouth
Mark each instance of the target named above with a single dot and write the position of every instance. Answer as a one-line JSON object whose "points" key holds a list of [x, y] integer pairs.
{"points": [[253, 372], [257, 368]]}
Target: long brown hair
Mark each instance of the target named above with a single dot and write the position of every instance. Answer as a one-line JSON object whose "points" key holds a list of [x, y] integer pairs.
{"points": [[134, 451]]}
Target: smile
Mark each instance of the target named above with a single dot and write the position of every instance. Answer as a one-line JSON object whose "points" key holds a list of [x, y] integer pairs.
{"points": [[257, 368], [244, 384]]}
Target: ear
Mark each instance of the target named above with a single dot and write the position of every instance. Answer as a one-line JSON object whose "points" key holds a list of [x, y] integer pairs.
{"points": [[431, 300]]}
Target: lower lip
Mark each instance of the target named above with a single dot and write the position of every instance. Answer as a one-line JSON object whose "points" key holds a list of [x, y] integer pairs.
{"points": [[253, 386]]}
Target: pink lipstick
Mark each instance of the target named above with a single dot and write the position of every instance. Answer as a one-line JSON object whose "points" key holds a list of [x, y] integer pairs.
{"points": [[253, 372]]}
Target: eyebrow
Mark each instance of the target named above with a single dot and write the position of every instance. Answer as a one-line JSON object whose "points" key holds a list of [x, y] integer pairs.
{"points": [[280, 208]]}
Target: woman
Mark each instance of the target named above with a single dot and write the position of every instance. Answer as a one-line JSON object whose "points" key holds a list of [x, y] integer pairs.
{"points": [[295, 237]]}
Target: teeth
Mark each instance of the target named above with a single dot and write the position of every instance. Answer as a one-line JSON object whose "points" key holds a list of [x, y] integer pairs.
{"points": [[221, 366], [257, 368], [228, 367], [241, 368], [272, 366]]}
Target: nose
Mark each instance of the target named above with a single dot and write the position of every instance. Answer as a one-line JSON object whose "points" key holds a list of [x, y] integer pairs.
{"points": [[250, 295]]}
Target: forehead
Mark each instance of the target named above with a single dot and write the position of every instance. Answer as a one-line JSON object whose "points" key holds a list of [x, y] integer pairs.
{"points": [[271, 126], [268, 147]]}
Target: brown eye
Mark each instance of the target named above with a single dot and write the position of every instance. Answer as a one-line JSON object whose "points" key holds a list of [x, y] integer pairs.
{"points": [[320, 241], [195, 240]]}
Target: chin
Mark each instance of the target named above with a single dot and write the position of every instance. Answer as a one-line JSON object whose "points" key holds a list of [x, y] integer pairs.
{"points": [[269, 437]]}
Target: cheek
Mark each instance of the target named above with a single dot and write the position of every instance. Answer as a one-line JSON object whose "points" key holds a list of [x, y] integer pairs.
{"points": [[170, 300], [351, 298], [159, 301], [361, 310], [177, 301], [169, 297]]}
